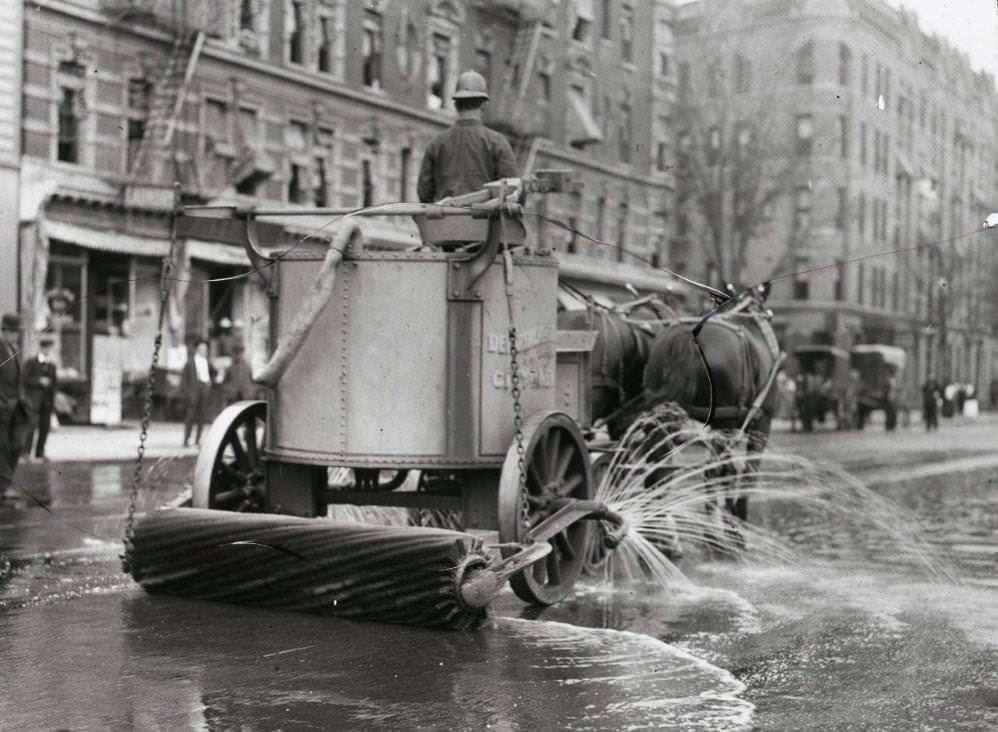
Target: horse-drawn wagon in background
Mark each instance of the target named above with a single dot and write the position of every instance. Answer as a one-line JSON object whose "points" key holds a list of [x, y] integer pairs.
{"points": [[824, 386], [880, 370]]}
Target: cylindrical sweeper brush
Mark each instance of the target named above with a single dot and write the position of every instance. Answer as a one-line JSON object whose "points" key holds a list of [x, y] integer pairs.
{"points": [[412, 575]]}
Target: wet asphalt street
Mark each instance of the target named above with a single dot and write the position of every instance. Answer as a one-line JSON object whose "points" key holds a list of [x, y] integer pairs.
{"points": [[853, 634]]}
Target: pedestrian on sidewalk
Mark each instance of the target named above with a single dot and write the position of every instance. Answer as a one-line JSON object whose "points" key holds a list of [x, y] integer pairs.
{"points": [[39, 387], [195, 384], [237, 384], [13, 410], [930, 403]]}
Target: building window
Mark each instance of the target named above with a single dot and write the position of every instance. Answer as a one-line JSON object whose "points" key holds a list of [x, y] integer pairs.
{"points": [[295, 137], [840, 209], [715, 80], [802, 289], [861, 215], [805, 134], [743, 74], [684, 79], [544, 85], [483, 62], [296, 31], [627, 33], [136, 132], [622, 215], [323, 163], [842, 131], [861, 284], [845, 65], [68, 148], [137, 102], [802, 209], [862, 143], [371, 49], [663, 63], [743, 138], [601, 218], [840, 280], [216, 124], [437, 71], [367, 183], [607, 17], [805, 63], [714, 146], [865, 74], [405, 163], [325, 55], [320, 183], [662, 156], [582, 31], [624, 132]]}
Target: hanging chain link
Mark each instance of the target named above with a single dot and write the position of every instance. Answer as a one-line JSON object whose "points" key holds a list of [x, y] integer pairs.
{"points": [[164, 293], [514, 378]]}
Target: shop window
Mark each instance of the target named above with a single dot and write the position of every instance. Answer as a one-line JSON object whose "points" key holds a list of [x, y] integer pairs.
{"points": [[371, 49], [111, 293], [66, 297]]}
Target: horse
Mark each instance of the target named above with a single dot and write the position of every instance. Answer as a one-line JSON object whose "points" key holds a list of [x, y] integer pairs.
{"points": [[721, 371], [617, 361]]}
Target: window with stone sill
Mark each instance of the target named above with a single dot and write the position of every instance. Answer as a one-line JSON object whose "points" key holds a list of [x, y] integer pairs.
{"points": [[438, 71]]}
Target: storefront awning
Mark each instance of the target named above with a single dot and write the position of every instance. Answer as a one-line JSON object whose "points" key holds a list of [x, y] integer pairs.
{"points": [[217, 253], [104, 240], [582, 128]]}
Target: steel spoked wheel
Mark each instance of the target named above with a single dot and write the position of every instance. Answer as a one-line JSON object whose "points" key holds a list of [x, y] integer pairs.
{"points": [[229, 473], [556, 464]]}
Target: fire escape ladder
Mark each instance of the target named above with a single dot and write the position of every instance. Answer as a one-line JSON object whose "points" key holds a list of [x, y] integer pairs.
{"points": [[165, 108]]}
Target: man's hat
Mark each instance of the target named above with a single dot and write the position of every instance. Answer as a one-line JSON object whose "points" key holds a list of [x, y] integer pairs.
{"points": [[471, 85], [10, 321]]}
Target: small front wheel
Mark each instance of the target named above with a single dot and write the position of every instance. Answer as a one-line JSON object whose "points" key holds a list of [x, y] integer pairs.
{"points": [[556, 466], [229, 473]]}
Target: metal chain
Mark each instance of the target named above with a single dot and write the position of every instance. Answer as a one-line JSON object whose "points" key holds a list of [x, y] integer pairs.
{"points": [[514, 378], [164, 293]]}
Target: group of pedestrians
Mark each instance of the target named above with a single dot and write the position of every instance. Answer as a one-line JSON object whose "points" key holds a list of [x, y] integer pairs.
{"points": [[230, 377]]}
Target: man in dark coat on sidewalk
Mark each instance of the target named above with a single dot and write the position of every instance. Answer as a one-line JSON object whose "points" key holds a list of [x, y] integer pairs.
{"points": [[13, 413], [39, 388], [195, 384]]}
